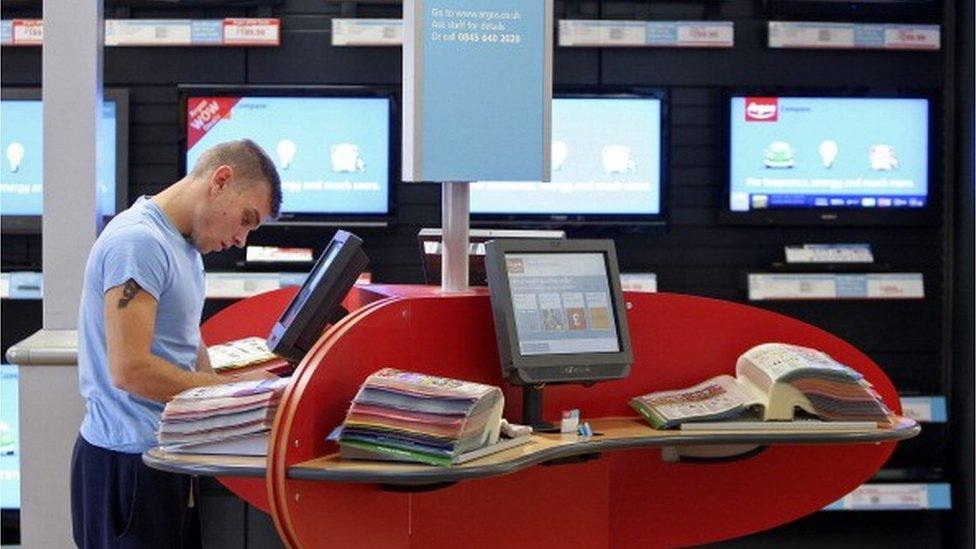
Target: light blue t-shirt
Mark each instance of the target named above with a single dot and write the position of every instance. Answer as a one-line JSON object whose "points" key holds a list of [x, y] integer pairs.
{"points": [[141, 244]]}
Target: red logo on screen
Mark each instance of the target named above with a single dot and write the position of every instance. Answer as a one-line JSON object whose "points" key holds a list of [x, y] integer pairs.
{"points": [[203, 113], [762, 109]]}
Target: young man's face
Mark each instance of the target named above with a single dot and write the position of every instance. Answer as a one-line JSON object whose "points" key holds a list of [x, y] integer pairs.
{"points": [[234, 208]]}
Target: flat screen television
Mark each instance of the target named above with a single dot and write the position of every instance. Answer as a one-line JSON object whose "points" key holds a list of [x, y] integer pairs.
{"points": [[608, 166], [318, 301], [22, 143], [830, 158], [9, 438], [332, 145]]}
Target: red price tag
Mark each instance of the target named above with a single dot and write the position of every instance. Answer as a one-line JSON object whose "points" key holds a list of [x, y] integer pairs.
{"points": [[252, 32]]}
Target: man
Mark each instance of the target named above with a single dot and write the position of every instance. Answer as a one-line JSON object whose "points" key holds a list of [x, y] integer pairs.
{"points": [[139, 342]]}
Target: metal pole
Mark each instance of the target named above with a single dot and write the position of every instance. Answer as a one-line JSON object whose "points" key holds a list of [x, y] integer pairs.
{"points": [[454, 252]]}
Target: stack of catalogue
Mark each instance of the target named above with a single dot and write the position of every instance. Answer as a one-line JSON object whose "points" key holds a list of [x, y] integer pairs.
{"points": [[234, 418], [406, 416]]}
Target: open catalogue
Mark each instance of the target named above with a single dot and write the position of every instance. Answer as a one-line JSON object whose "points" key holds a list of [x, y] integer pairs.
{"points": [[407, 416], [240, 353], [771, 381]]}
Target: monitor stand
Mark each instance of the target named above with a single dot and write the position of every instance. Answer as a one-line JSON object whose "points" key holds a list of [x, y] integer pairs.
{"points": [[532, 410]]}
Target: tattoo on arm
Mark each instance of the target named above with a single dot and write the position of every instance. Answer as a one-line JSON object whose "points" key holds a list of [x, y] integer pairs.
{"points": [[129, 292]]}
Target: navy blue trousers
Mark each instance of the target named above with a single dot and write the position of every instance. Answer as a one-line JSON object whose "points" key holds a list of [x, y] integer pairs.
{"points": [[118, 501]]}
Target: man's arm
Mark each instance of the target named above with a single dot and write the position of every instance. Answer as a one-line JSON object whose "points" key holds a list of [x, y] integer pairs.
{"points": [[130, 320], [203, 358]]}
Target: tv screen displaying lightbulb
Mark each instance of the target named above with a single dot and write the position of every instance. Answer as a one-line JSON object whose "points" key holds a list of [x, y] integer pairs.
{"points": [[22, 165], [332, 152], [828, 154], [606, 166]]}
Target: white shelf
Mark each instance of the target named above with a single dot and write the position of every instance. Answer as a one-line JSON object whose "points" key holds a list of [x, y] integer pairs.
{"points": [[853, 36], [240, 31], [590, 33], [789, 286], [895, 497]]}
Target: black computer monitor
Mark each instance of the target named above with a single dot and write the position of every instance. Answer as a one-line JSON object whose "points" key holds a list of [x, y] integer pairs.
{"points": [[559, 313], [318, 302]]}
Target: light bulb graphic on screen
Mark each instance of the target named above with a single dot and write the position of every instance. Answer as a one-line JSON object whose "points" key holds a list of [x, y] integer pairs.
{"points": [[15, 155], [828, 153], [559, 152], [286, 152]]}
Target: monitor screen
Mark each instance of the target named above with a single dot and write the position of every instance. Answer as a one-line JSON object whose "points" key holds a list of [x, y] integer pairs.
{"points": [[562, 303], [559, 310], [830, 155], [22, 143], [606, 166], [318, 301], [9, 438], [332, 152]]}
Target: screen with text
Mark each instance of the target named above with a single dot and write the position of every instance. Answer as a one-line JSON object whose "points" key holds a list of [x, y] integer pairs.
{"points": [[562, 303]]}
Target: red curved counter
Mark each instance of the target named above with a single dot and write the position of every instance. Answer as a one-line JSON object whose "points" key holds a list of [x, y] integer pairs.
{"points": [[623, 499]]}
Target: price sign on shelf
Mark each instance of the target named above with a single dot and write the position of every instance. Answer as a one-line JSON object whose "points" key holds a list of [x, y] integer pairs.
{"points": [[28, 32], [252, 32], [918, 37]]}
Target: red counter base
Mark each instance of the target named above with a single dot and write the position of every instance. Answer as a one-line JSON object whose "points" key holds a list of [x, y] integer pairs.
{"points": [[624, 499]]}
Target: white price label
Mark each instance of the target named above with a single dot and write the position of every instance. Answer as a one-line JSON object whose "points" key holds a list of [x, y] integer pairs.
{"points": [[170, 32], [252, 32], [894, 496], [367, 32], [706, 35], [602, 33], [219, 286], [919, 409], [639, 282], [810, 35], [772, 286]]}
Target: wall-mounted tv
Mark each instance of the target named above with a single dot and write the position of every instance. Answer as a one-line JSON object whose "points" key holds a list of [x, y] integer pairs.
{"points": [[801, 158], [22, 144], [331, 145], [608, 165]]}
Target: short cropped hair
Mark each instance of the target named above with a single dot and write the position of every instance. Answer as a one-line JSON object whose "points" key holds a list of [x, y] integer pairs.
{"points": [[249, 162]]}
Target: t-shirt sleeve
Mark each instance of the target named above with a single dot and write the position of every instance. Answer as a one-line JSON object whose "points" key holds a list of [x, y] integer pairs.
{"points": [[135, 255]]}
